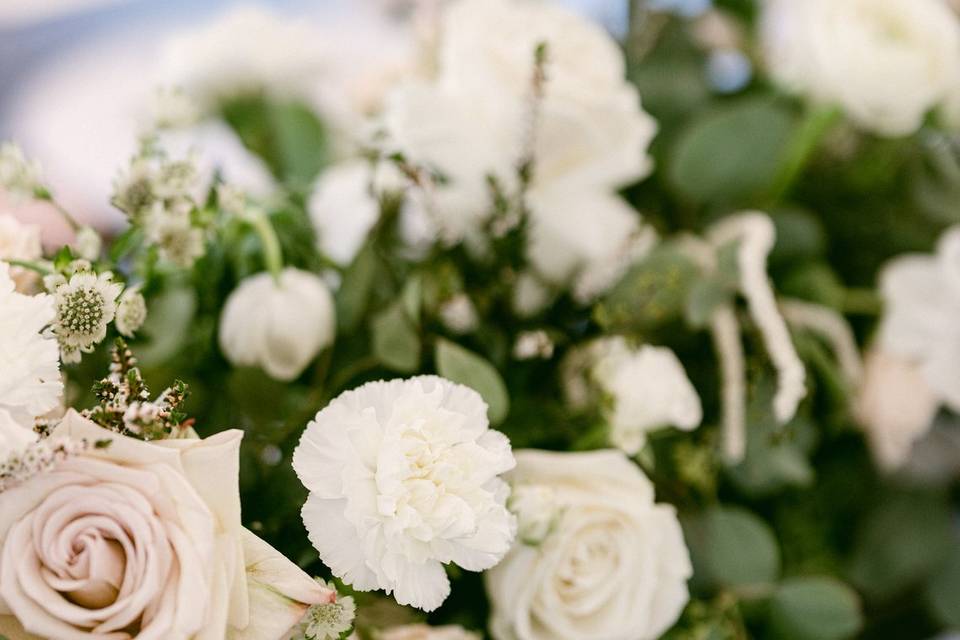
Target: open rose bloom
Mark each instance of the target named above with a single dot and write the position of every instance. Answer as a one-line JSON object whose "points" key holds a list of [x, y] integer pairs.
{"points": [[142, 539]]}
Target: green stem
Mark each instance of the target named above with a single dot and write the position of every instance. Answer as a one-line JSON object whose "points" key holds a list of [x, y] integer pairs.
{"points": [[273, 255], [800, 148], [45, 195], [39, 267], [866, 302]]}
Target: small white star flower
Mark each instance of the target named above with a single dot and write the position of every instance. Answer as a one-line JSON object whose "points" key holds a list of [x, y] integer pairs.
{"points": [[85, 305], [88, 243], [131, 312], [327, 620], [404, 477]]}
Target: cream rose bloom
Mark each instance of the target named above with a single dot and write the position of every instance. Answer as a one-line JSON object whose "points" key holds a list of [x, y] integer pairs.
{"points": [[142, 540], [20, 241], [426, 632], [885, 62], [279, 326], [615, 567], [473, 121]]}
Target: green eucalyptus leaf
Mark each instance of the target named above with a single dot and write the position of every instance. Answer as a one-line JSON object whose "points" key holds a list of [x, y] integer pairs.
{"points": [[814, 608], [943, 591], [466, 367], [732, 547], [395, 340], [353, 296], [732, 153]]}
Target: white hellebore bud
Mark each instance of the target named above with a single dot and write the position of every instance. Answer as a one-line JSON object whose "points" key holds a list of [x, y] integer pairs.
{"points": [[278, 324]]}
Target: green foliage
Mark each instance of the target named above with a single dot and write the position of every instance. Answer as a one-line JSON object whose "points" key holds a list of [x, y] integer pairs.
{"points": [[814, 608], [468, 368], [943, 591], [394, 339]]}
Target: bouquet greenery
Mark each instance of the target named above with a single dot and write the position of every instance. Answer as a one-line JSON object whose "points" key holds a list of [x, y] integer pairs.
{"points": [[510, 353]]}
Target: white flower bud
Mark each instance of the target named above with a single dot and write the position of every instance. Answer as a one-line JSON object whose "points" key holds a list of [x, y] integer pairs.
{"points": [[88, 243], [459, 315], [279, 326], [533, 344], [537, 511], [131, 312]]}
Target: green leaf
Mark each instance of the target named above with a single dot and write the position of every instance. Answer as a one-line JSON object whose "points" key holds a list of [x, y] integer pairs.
{"points": [[395, 340], [732, 153], [814, 608], [466, 367], [705, 297], [902, 543], [731, 547], [353, 297], [412, 296], [943, 591], [654, 292]]}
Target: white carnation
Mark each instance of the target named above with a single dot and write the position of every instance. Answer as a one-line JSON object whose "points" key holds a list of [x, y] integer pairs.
{"points": [[404, 478], [279, 326], [30, 382], [886, 62], [614, 568]]}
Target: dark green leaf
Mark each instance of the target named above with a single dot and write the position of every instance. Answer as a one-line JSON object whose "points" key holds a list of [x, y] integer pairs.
{"points": [[353, 296], [943, 591], [731, 547], [466, 367], [814, 608], [395, 340]]}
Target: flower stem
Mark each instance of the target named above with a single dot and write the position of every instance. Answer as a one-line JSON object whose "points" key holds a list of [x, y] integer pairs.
{"points": [[273, 255], [45, 195], [805, 140], [39, 267], [865, 302]]}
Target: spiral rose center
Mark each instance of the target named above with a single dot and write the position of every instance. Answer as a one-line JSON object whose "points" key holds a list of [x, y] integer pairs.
{"points": [[97, 564]]}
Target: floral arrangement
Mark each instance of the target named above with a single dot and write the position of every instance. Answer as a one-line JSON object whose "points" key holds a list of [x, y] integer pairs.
{"points": [[540, 335]]}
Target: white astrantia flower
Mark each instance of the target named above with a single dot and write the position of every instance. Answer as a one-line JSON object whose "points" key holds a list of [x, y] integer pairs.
{"points": [[404, 478], [280, 324], [20, 241], [179, 241], [30, 382], [615, 566], [85, 304], [131, 312], [649, 390], [19, 175], [587, 134], [327, 620], [887, 63]]}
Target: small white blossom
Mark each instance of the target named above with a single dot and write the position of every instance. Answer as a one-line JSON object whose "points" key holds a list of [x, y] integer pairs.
{"points": [[19, 241], [530, 295], [30, 382], [173, 232], [327, 620], [459, 315], [24, 462], [533, 344], [173, 109], [19, 175], [537, 510], [88, 243], [278, 325], [85, 305], [404, 478], [131, 312]]}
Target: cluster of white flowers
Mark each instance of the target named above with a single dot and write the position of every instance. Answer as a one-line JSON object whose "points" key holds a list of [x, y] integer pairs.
{"points": [[887, 63], [160, 195], [912, 371], [645, 388], [493, 107], [30, 383], [19, 175], [404, 478], [278, 323], [34, 457]]}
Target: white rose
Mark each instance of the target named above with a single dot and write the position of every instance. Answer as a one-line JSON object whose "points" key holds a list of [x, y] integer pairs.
{"points": [[885, 62], [19, 241], [279, 326], [426, 632], [473, 122], [895, 405], [615, 568], [144, 536], [404, 478]]}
